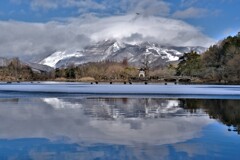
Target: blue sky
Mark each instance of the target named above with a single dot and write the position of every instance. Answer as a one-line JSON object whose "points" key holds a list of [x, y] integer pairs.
{"points": [[213, 19], [216, 17]]}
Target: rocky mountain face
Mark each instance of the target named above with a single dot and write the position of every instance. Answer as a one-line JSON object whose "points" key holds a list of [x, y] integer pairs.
{"points": [[112, 50]]}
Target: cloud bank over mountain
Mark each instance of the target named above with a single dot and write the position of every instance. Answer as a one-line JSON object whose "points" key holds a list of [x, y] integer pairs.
{"points": [[29, 38]]}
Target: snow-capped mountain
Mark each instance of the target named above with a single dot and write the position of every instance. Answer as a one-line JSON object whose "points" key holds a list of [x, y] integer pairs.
{"points": [[116, 51]]}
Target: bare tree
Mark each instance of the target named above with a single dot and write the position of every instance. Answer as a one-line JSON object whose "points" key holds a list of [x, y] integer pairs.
{"points": [[146, 64]]}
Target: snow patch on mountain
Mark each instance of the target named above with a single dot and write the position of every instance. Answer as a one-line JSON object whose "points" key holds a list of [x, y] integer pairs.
{"points": [[53, 59], [117, 46]]}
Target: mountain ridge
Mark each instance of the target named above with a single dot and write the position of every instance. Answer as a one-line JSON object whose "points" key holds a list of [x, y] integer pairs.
{"points": [[116, 51]]}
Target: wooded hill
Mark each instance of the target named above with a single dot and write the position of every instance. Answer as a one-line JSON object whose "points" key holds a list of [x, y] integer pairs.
{"points": [[220, 63]]}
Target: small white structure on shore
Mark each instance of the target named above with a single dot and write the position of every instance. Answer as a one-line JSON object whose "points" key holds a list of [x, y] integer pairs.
{"points": [[141, 73]]}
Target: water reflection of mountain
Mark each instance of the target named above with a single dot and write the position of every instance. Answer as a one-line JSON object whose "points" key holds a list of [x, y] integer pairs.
{"points": [[226, 111], [123, 108], [133, 108]]}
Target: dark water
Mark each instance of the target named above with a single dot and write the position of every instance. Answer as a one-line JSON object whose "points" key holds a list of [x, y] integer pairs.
{"points": [[118, 128]]}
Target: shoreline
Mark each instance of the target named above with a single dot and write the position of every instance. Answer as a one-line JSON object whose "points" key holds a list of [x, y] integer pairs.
{"points": [[122, 82]]}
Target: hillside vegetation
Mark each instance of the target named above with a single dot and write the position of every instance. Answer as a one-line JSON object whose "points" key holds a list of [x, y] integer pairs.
{"points": [[220, 63], [15, 70]]}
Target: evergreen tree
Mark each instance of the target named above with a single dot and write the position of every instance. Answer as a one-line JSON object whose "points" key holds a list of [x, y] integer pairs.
{"points": [[189, 65]]}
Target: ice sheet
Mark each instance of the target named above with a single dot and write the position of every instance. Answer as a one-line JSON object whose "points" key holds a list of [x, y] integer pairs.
{"points": [[127, 90]]}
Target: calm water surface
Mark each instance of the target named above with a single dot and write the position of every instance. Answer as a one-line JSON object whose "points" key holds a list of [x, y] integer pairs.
{"points": [[118, 128]]}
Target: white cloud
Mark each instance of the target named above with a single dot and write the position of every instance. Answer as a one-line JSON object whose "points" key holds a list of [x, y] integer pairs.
{"points": [[191, 13], [162, 30], [18, 38]]}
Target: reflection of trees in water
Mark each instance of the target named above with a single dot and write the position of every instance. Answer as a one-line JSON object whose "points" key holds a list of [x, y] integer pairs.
{"points": [[226, 111], [191, 106]]}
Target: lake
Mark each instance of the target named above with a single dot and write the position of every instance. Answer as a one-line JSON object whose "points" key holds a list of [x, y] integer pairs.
{"points": [[74, 121]]}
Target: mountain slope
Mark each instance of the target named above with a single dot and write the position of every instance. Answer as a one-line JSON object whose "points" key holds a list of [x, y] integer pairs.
{"points": [[4, 62], [116, 51], [39, 67]]}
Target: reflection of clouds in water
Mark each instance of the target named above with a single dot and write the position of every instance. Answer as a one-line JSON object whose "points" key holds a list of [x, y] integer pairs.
{"points": [[116, 152], [152, 131], [53, 118], [191, 149]]}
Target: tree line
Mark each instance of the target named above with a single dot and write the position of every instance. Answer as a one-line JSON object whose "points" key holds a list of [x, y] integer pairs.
{"points": [[93, 71]]}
